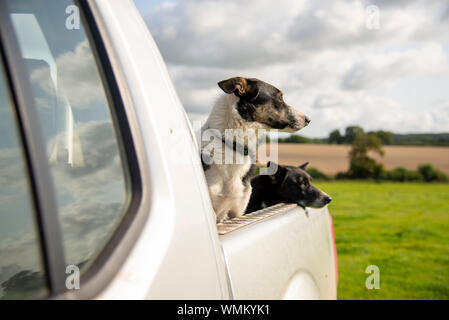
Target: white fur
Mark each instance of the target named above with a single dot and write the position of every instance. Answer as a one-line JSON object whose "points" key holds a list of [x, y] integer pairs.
{"points": [[228, 193]]}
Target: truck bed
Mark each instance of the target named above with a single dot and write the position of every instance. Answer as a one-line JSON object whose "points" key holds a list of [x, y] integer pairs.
{"points": [[280, 252]]}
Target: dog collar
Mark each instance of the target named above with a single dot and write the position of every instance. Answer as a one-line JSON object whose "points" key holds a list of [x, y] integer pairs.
{"points": [[234, 146]]}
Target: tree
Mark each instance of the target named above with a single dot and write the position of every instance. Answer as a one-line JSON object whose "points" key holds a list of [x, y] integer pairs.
{"points": [[335, 137], [363, 143], [295, 138], [351, 133], [429, 173], [361, 165], [385, 136]]}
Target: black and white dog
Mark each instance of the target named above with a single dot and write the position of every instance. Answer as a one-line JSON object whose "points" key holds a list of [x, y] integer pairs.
{"points": [[248, 105], [288, 185]]}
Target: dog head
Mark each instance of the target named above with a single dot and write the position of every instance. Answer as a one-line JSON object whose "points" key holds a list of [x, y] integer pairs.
{"points": [[264, 103], [294, 185]]}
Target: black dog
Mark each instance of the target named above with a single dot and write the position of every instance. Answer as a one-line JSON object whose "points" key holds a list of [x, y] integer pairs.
{"points": [[288, 185]]}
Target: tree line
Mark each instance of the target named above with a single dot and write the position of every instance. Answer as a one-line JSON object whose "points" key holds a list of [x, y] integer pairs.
{"points": [[363, 166], [386, 138]]}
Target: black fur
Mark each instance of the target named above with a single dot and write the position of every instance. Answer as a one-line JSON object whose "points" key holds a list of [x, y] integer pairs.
{"points": [[288, 185], [205, 165], [246, 110]]}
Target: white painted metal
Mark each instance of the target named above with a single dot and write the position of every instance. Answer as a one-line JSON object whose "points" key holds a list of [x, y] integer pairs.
{"points": [[178, 254], [286, 256]]}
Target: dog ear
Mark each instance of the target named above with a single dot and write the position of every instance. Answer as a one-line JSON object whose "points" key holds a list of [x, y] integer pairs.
{"points": [[240, 87], [281, 173], [304, 165], [236, 85], [252, 90]]}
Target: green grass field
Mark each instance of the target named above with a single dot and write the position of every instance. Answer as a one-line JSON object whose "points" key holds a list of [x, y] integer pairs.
{"points": [[402, 228]]}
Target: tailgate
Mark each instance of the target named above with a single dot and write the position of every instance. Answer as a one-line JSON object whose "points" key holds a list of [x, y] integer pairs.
{"points": [[280, 253]]}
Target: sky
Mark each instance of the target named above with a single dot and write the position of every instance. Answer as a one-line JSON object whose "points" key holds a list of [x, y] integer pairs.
{"points": [[380, 64]]}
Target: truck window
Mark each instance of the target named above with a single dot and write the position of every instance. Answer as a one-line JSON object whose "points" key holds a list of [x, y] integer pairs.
{"points": [[83, 148], [21, 269]]}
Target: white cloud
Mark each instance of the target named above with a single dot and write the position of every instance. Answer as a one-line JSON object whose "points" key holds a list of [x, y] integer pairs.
{"points": [[384, 69], [90, 197], [206, 32], [78, 77], [320, 53]]}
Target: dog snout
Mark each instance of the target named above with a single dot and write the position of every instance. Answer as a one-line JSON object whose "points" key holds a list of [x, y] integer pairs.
{"points": [[301, 121], [306, 120], [327, 199], [298, 120]]}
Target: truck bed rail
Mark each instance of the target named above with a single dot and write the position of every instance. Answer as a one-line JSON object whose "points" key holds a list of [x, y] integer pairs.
{"points": [[230, 225]]}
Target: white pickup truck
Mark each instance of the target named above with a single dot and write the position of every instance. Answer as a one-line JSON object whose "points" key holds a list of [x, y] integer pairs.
{"points": [[101, 177]]}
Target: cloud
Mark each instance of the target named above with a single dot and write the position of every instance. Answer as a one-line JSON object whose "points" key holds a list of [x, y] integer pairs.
{"points": [[91, 191], [338, 110], [209, 31], [77, 78], [91, 197], [317, 52], [250, 33], [384, 69]]}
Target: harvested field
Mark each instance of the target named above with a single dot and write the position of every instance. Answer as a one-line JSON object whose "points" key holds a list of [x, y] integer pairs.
{"points": [[334, 158]]}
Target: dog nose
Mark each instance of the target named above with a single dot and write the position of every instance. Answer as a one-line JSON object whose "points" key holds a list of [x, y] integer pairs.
{"points": [[327, 199], [307, 120]]}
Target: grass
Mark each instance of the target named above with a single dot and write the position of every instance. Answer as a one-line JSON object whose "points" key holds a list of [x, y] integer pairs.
{"points": [[403, 228]]}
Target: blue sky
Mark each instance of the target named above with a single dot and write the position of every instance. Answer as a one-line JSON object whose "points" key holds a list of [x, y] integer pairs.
{"points": [[145, 6], [329, 62]]}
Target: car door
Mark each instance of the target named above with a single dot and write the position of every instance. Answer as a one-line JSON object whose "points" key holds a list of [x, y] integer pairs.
{"points": [[82, 206], [118, 215]]}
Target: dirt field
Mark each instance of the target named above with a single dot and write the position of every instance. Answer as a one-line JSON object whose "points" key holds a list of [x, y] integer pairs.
{"points": [[333, 158]]}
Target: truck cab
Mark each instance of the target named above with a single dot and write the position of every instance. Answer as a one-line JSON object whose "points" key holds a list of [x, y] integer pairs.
{"points": [[102, 178]]}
